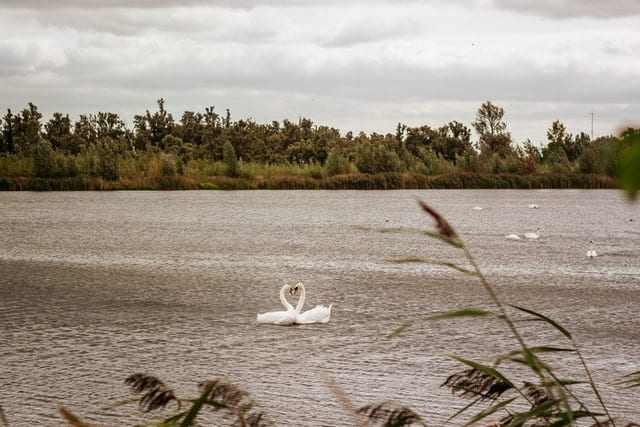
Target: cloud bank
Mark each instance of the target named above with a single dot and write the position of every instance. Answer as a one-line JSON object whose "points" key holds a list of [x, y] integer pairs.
{"points": [[357, 67]]}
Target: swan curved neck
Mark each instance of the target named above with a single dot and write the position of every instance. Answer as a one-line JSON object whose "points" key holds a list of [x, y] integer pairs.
{"points": [[283, 300], [302, 298]]}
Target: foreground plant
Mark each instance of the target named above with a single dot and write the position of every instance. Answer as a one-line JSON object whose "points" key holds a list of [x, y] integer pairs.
{"points": [[233, 406], [543, 400]]}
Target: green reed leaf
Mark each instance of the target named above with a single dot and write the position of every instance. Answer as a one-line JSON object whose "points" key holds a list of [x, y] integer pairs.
{"points": [[542, 349], [484, 369], [408, 260], [470, 312], [628, 168], [630, 380], [562, 383], [545, 319], [491, 410], [172, 420], [463, 409], [400, 329], [448, 315], [534, 413], [570, 416], [416, 260], [190, 418]]}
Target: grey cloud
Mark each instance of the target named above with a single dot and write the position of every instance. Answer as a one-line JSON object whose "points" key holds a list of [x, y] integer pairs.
{"points": [[560, 9], [150, 4], [184, 22], [363, 32]]}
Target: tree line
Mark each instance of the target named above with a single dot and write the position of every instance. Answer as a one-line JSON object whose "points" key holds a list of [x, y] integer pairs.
{"points": [[204, 145]]}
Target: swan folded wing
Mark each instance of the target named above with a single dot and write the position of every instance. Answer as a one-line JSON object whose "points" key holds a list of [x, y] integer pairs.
{"points": [[277, 317], [318, 314]]}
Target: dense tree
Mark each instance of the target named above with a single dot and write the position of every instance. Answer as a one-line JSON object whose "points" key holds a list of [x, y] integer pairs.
{"points": [[600, 156], [204, 144], [574, 147], [58, 130], [108, 125], [44, 159], [191, 128], [492, 130], [336, 163], [452, 140], [530, 157], [7, 133], [26, 129], [154, 127], [377, 157], [418, 138], [557, 136], [85, 130]]}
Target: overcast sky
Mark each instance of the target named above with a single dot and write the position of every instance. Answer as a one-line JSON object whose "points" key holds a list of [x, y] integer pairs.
{"points": [[359, 65]]}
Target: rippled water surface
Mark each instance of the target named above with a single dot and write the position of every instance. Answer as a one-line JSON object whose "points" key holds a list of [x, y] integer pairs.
{"points": [[96, 286]]}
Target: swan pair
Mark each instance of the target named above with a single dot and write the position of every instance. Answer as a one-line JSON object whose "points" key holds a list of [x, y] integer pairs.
{"points": [[530, 235], [318, 314]]}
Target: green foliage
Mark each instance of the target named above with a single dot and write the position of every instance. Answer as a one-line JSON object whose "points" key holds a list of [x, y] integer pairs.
{"points": [[628, 169], [494, 138], [167, 165], [160, 153], [107, 161], [230, 160], [44, 163], [337, 164], [376, 158]]}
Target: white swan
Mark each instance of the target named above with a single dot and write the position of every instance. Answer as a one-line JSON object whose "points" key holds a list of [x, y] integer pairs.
{"points": [[318, 314], [532, 206], [591, 253], [512, 236], [532, 235], [287, 317], [477, 208]]}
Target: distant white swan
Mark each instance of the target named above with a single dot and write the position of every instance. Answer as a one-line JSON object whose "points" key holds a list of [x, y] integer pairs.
{"points": [[287, 317], [318, 314], [512, 236], [532, 235], [591, 253], [532, 206], [477, 208]]}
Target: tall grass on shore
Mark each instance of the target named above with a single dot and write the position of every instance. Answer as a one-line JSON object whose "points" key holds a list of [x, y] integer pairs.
{"points": [[148, 170]]}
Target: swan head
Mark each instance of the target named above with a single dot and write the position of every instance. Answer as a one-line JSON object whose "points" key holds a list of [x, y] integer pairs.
{"points": [[295, 289]]}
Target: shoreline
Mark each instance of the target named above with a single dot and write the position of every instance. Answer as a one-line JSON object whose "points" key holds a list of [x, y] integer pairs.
{"points": [[382, 181]]}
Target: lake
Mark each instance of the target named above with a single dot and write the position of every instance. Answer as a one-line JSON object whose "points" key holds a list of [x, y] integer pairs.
{"points": [[95, 286]]}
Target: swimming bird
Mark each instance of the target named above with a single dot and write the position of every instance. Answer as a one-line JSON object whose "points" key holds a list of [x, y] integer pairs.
{"points": [[591, 253], [531, 235], [318, 314], [512, 236], [287, 317]]}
